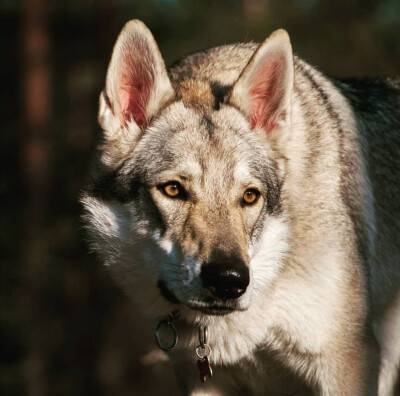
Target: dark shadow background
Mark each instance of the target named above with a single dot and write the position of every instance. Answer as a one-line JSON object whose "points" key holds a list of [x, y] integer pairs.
{"points": [[65, 328]]}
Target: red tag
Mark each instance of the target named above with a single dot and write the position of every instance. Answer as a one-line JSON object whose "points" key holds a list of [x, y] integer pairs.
{"points": [[204, 368]]}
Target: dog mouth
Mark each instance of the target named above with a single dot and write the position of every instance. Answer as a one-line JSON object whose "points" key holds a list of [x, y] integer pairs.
{"points": [[211, 307], [216, 310]]}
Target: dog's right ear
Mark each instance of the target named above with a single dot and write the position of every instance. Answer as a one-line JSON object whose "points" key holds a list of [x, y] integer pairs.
{"points": [[137, 83]]}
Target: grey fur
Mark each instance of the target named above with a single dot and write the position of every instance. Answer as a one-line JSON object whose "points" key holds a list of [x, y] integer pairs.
{"points": [[322, 242]]}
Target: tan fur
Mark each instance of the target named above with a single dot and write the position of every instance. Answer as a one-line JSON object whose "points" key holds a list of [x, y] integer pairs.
{"points": [[319, 243], [196, 93]]}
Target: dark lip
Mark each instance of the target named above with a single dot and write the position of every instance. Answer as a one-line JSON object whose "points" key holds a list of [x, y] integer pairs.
{"points": [[215, 310], [207, 308]]}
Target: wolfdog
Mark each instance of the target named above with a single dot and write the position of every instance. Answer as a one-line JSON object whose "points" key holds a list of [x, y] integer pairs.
{"points": [[250, 205]]}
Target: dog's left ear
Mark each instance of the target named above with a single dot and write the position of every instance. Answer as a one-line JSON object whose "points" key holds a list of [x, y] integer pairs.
{"points": [[264, 89]]}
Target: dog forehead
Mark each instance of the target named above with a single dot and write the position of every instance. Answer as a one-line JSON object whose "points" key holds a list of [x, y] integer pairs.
{"points": [[206, 121], [183, 128], [197, 143]]}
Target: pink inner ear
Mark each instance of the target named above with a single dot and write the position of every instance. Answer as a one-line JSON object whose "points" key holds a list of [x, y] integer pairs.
{"points": [[133, 101], [267, 92], [134, 90]]}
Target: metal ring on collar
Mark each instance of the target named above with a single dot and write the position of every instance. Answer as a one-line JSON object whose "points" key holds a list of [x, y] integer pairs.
{"points": [[166, 323], [206, 351]]}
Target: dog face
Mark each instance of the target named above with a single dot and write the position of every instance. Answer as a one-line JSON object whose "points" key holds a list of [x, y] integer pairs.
{"points": [[189, 184]]}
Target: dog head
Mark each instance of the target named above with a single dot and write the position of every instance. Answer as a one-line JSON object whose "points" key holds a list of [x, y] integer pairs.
{"points": [[185, 204]]}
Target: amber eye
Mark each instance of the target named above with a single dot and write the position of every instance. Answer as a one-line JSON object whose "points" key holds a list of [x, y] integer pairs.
{"points": [[250, 196], [173, 190]]}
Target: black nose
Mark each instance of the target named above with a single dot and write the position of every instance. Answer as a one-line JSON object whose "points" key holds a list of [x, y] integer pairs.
{"points": [[225, 280]]}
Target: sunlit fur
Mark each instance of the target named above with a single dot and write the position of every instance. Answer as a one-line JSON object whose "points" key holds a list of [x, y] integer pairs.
{"points": [[321, 312]]}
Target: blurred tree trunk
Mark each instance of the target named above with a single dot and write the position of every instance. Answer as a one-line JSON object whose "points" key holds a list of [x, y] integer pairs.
{"points": [[36, 93]]}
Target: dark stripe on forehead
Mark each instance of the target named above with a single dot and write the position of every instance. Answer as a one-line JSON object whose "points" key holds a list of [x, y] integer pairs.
{"points": [[209, 125], [220, 92]]}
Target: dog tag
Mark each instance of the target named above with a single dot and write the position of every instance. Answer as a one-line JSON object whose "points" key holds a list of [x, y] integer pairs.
{"points": [[204, 368]]}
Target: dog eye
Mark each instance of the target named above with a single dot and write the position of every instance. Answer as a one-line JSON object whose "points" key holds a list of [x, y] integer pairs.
{"points": [[250, 196], [173, 190]]}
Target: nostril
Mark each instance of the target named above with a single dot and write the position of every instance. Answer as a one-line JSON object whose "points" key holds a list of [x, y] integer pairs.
{"points": [[225, 283]]}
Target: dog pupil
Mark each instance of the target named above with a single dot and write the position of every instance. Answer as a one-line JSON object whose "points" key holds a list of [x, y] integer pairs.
{"points": [[172, 189], [249, 197]]}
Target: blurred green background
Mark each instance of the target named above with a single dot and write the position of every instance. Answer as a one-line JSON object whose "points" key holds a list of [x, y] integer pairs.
{"points": [[65, 328]]}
